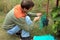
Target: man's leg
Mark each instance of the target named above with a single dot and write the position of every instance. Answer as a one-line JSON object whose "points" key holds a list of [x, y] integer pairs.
{"points": [[24, 34], [14, 30]]}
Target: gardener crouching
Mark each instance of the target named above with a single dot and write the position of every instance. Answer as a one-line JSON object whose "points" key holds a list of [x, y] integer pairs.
{"points": [[18, 20]]}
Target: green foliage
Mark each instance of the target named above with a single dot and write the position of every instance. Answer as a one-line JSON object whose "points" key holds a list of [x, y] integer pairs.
{"points": [[40, 5], [44, 31], [50, 29], [55, 12], [56, 18]]}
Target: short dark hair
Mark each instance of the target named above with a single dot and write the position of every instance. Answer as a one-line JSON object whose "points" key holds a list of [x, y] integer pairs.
{"points": [[27, 4]]}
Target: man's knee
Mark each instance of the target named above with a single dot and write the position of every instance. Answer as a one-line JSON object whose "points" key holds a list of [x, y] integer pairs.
{"points": [[28, 20], [13, 30]]}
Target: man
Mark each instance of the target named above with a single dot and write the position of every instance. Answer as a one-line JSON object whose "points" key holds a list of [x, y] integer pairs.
{"points": [[18, 19]]}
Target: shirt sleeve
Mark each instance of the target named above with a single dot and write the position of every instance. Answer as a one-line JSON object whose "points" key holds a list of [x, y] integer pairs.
{"points": [[31, 14]]}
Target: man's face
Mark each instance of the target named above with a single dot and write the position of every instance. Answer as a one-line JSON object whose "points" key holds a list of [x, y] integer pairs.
{"points": [[25, 10]]}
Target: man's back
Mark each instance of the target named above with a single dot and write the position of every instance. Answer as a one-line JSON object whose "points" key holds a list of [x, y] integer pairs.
{"points": [[8, 23]]}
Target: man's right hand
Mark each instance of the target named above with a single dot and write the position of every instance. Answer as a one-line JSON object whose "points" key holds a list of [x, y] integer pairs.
{"points": [[36, 19]]}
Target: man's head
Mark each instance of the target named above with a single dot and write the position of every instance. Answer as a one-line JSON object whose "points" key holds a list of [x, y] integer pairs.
{"points": [[27, 5]]}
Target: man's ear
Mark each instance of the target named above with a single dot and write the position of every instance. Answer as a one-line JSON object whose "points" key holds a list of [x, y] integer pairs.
{"points": [[25, 9]]}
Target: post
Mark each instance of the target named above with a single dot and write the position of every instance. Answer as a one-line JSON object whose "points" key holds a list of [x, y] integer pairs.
{"points": [[47, 7], [57, 3]]}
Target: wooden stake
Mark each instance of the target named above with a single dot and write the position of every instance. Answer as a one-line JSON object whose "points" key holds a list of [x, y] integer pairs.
{"points": [[57, 3], [47, 8]]}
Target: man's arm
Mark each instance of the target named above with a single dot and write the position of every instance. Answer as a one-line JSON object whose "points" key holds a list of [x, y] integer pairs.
{"points": [[34, 14], [31, 14]]}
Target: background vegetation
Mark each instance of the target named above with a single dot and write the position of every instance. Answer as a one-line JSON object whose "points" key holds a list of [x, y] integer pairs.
{"points": [[7, 5]]}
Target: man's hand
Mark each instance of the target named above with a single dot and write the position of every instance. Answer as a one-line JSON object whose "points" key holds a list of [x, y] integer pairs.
{"points": [[39, 14], [36, 19]]}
